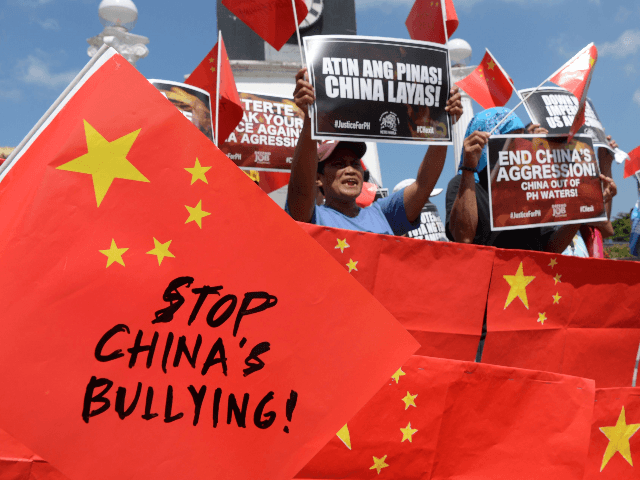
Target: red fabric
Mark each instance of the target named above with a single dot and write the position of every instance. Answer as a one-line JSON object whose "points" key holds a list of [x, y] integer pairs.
{"points": [[593, 241], [605, 461], [472, 420], [272, 20], [437, 290], [487, 84], [452, 17], [632, 165], [81, 252], [205, 77], [575, 76], [592, 331], [425, 22], [367, 195]]}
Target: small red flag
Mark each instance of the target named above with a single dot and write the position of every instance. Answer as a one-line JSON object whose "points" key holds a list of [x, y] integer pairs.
{"points": [[446, 419], [615, 437], [575, 76], [426, 22], [488, 84], [273, 20], [205, 76], [632, 165], [452, 17]]}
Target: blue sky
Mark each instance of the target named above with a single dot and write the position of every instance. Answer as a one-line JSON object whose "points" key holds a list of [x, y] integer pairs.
{"points": [[43, 44]]}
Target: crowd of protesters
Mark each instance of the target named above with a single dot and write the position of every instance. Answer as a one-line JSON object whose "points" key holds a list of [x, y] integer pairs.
{"points": [[334, 172]]}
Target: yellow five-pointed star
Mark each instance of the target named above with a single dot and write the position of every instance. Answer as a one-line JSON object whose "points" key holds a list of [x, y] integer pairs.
{"points": [[161, 250], [196, 214], [553, 262], [352, 265], [409, 400], [396, 376], [343, 434], [542, 317], [198, 172], [557, 278], [619, 439], [342, 244], [556, 298], [114, 254], [212, 60], [379, 464], [105, 161], [518, 283], [591, 61], [407, 433], [491, 65]]}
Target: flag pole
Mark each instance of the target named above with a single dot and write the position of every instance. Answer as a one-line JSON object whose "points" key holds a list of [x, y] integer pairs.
{"points": [[295, 17], [53, 107], [219, 62]]}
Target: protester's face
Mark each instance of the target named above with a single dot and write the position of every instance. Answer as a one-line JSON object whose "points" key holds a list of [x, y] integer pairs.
{"points": [[343, 175]]}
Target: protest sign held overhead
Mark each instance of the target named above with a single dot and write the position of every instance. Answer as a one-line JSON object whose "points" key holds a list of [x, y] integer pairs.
{"points": [[267, 135], [379, 89], [172, 346], [543, 180], [193, 102], [555, 108]]}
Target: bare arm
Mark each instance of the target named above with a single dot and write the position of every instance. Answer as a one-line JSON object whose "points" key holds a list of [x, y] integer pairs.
{"points": [[301, 195], [417, 194], [463, 220], [561, 238]]}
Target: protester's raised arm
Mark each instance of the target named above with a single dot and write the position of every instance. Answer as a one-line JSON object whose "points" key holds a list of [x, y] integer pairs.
{"points": [[417, 194], [302, 183]]}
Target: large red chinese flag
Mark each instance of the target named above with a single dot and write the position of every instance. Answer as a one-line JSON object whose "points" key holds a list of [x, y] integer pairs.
{"points": [[426, 21], [273, 20], [437, 290], [205, 76], [562, 314], [575, 76], [488, 84], [145, 334], [614, 452], [632, 165], [445, 419]]}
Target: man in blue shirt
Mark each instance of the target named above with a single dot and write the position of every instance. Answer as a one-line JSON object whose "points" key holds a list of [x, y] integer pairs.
{"points": [[336, 169]]}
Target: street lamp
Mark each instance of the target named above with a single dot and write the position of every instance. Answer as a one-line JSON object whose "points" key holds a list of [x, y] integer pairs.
{"points": [[118, 17]]}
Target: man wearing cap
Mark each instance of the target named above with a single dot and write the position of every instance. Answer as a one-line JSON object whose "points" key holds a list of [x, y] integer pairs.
{"points": [[336, 168]]}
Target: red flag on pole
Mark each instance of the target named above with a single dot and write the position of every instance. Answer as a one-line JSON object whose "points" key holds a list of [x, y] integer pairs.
{"points": [[452, 17], [446, 419], [145, 332], [273, 20], [632, 165], [426, 21], [488, 84], [206, 76], [575, 76]]}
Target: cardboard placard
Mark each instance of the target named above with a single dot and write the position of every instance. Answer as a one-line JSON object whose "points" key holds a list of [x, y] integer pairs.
{"points": [[538, 180], [379, 89]]}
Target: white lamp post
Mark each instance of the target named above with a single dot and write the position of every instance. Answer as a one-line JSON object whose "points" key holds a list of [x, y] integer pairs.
{"points": [[460, 55], [118, 17]]}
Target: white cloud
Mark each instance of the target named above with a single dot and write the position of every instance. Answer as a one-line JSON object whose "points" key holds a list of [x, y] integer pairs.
{"points": [[11, 94], [49, 24], [636, 97], [623, 14], [627, 44], [629, 69], [36, 71]]}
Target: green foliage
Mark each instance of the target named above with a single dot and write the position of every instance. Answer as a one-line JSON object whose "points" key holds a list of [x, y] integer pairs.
{"points": [[617, 251], [621, 228]]}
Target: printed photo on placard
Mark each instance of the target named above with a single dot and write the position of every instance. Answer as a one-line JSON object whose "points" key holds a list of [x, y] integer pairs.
{"points": [[266, 137], [537, 180], [554, 108], [379, 89], [193, 102]]}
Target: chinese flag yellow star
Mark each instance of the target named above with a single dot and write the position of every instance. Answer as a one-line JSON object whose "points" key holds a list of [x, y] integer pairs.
{"points": [[553, 262], [196, 214], [518, 283], [213, 69], [379, 464], [343, 434], [619, 439], [591, 61], [407, 433], [161, 250], [542, 317], [557, 278], [212, 60], [352, 265], [491, 65], [409, 400], [342, 244], [396, 376], [114, 254], [198, 172], [105, 161], [556, 298]]}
